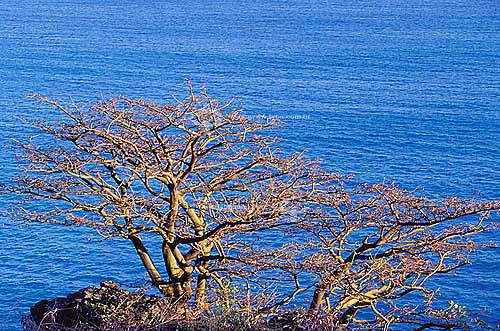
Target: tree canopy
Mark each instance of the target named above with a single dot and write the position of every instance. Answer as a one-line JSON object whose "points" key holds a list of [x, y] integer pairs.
{"points": [[244, 226]]}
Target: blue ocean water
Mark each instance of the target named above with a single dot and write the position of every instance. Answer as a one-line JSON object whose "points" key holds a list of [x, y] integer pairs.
{"points": [[403, 90]]}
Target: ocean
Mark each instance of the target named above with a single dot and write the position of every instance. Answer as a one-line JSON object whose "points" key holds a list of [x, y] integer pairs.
{"points": [[394, 90]]}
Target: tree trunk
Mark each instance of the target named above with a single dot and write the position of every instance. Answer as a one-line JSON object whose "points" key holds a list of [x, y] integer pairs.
{"points": [[200, 298], [201, 285], [317, 300], [179, 280], [148, 263]]}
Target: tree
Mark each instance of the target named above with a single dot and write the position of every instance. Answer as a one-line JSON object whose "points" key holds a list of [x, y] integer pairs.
{"points": [[198, 175]]}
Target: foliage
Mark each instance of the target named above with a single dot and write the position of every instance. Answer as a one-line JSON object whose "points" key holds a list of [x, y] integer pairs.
{"points": [[244, 227]]}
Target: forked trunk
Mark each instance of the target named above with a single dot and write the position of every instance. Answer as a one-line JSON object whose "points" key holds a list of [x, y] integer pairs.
{"points": [[179, 284]]}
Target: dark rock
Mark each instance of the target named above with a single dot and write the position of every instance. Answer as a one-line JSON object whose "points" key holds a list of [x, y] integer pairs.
{"points": [[301, 320], [99, 308]]}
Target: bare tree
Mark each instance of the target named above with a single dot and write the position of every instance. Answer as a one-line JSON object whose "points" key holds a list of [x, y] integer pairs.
{"points": [[190, 173], [198, 175], [369, 250], [379, 243]]}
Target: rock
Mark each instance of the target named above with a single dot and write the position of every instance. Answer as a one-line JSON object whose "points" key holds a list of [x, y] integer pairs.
{"points": [[99, 308], [299, 320]]}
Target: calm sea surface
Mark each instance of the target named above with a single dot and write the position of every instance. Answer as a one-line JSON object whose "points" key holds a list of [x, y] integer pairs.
{"points": [[404, 90]]}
